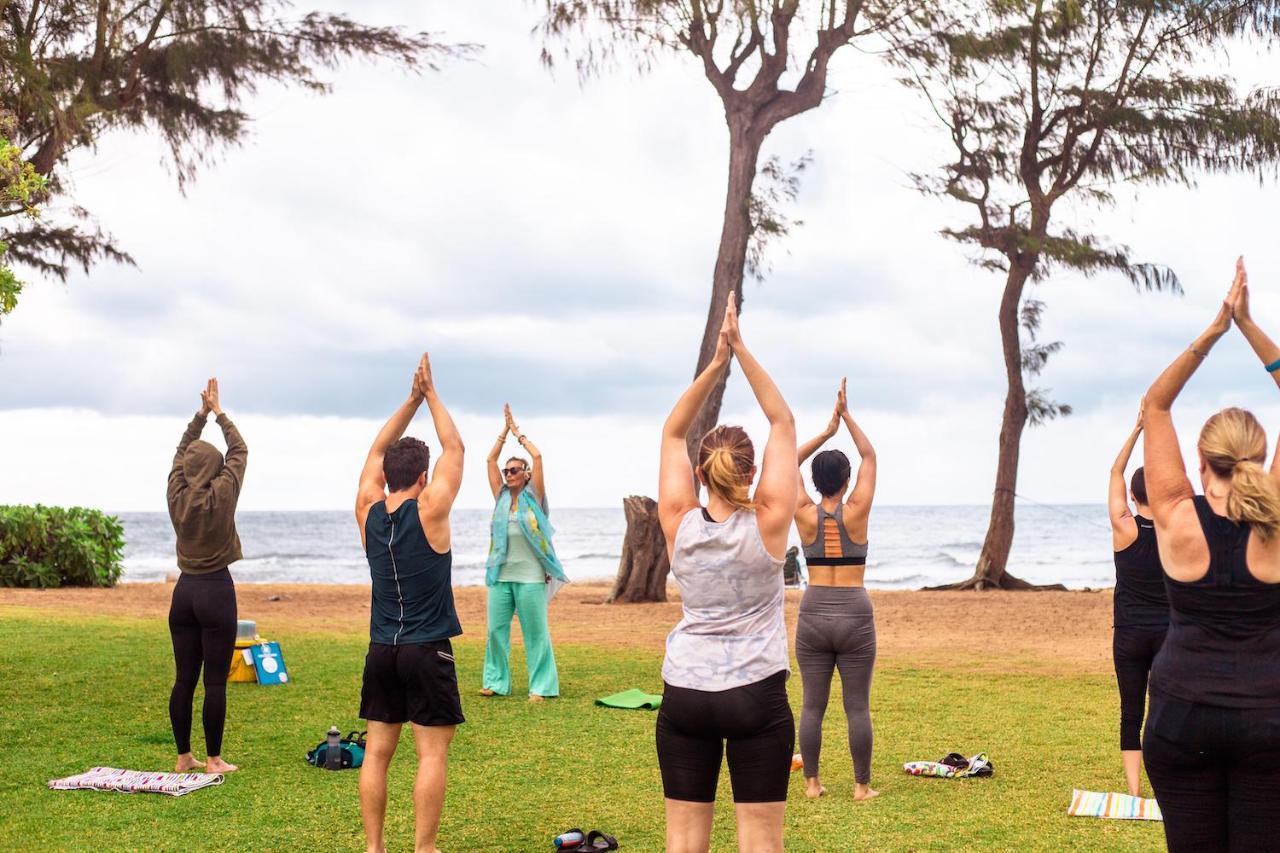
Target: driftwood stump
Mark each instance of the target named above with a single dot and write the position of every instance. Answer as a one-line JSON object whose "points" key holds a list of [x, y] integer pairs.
{"points": [[643, 569]]}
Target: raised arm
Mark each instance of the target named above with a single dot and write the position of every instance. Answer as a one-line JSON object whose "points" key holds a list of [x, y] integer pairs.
{"points": [[864, 483], [446, 478], [230, 479], [493, 460], [537, 476], [676, 495], [1124, 530], [775, 495], [373, 485], [1167, 483], [811, 446], [176, 478], [1266, 349]]}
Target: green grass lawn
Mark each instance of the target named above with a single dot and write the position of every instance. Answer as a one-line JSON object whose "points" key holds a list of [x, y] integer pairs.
{"points": [[80, 692]]}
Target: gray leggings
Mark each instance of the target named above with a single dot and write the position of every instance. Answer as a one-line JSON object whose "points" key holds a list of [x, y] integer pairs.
{"points": [[836, 629]]}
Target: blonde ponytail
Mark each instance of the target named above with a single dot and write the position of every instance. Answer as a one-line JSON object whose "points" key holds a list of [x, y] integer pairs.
{"points": [[726, 457], [1254, 498], [1234, 446]]}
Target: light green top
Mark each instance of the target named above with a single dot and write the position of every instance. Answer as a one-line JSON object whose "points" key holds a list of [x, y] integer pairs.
{"points": [[521, 565]]}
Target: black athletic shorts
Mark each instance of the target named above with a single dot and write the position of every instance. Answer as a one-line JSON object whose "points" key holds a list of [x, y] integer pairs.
{"points": [[414, 683], [751, 725]]}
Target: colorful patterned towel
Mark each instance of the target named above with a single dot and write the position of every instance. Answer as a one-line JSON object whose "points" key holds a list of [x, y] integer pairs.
{"points": [[1120, 806], [137, 781]]}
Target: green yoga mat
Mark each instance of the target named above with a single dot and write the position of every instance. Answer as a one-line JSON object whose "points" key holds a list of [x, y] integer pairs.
{"points": [[632, 699]]}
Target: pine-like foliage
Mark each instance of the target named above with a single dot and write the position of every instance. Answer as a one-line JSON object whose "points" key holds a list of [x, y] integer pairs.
{"points": [[72, 70], [1046, 100]]}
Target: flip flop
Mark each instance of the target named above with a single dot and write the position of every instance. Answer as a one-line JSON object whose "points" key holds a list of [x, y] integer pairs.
{"points": [[956, 760], [981, 766], [562, 843], [597, 840]]}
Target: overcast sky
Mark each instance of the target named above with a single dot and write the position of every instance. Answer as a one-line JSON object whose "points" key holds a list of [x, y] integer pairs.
{"points": [[551, 244]]}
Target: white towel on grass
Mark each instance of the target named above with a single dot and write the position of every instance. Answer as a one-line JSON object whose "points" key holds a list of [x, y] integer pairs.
{"points": [[136, 781]]}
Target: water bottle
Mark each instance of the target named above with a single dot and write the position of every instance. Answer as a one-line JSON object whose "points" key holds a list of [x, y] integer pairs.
{"points": [[333, 755], [571, 840]]}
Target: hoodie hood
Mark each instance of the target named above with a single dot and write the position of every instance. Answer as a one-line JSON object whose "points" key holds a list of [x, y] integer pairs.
{"points": [[201, 463]]}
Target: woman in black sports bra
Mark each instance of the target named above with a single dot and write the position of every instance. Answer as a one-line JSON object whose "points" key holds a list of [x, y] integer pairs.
{"points": [[1141, 606], [836, 627], [1212, 739]]}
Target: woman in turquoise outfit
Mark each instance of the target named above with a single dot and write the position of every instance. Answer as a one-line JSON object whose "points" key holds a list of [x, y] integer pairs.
{"points": [[521, 566]]}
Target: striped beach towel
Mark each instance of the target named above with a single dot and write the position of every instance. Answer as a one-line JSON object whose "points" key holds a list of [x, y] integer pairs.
{"points": [[1119, 806], [136, 781]]}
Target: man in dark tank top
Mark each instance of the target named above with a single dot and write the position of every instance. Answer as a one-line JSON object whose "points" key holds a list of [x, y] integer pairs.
{"points": [[409, 674], [1141, 607]]}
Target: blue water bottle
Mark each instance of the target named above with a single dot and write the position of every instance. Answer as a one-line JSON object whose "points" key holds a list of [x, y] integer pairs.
{"points": [[570, 840]]}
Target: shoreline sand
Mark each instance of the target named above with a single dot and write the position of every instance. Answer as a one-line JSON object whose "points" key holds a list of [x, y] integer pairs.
{"points": [[1044, 632]]}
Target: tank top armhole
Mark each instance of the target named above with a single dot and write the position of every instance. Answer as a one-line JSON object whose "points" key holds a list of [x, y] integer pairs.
{"points": [[755, 525], [684, 522]]}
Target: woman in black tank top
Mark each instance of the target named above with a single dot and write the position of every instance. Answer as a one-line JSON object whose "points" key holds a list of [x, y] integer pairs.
{"points": [[1141, 608], [1212, 739]]}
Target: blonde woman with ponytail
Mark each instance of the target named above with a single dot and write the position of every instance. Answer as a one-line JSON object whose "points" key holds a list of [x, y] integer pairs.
{"points": [[1212, 739], [726, 665]]}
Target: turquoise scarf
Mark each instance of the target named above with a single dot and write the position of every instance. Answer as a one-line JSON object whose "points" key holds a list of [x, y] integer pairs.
{"points": [[537, 532]]}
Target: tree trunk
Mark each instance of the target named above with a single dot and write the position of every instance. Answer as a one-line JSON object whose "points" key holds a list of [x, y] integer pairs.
{"points": [[744, 155], [642, 573], [991, 572], [643, 569]]}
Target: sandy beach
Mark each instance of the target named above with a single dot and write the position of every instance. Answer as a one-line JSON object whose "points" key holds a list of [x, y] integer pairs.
{"points": [[1060, 632]]}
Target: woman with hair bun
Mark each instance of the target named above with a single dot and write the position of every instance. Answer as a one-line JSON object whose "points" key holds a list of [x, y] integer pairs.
{"points": [[836, 627], [726, 665], [1212, 739]]}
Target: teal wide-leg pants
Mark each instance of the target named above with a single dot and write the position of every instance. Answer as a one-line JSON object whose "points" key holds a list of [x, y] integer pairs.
{"points": [[528, 602]]}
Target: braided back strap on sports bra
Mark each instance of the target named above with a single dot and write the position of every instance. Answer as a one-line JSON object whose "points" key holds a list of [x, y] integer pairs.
{"points": [[851, 553]]}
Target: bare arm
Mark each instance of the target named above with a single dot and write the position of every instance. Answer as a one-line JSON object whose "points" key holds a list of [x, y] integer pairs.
{"points": [[1265, 348], [1124, 530], [373, 485], [446, 479], [1167, 483], [864, 486], [537, 477], [492, 462], [775, 495], [676, 495]]}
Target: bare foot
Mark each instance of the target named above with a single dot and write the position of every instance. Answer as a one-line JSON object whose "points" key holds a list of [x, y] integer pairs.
{"points": [[485, 691], [863, 792], [217, 765], [813, 788], [187, 763], [534, 697]]}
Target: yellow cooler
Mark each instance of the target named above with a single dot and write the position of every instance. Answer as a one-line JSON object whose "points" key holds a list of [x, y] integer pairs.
{"points": [[241, 660]]}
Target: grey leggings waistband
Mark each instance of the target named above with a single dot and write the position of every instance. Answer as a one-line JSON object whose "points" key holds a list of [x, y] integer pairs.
{"points": [[835, 601]]}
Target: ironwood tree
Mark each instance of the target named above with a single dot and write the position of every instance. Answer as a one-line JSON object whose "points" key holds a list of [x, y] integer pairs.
{"points": [[72, 71], [768, 62], [1050, 105], [21, 189]]}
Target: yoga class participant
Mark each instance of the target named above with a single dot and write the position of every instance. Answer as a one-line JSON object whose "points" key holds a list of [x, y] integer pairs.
{"points": [[521, 563], [836, 627], [202, 494], [1212, 738], [1141, 606], [409, 674], [726, 664]]}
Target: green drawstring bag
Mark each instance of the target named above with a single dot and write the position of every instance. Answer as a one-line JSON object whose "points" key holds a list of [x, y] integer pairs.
{"points": [[351, 756]]}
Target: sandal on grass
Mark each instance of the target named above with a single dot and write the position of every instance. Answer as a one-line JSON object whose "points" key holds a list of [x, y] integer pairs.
{"points": [[597, 840]]}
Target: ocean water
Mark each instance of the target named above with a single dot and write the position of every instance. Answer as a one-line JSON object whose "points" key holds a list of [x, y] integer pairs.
{"points": [[911, 546]]}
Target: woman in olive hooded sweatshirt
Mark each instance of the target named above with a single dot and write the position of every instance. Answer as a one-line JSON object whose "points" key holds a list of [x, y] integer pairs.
{"points": [[203, 490]]}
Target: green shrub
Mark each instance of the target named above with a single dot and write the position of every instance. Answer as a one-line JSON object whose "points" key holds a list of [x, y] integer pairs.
{"points": [[50, 546]]}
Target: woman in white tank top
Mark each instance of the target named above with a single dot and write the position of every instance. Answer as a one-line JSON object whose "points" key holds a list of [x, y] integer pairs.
{"points": [[726, 664]]}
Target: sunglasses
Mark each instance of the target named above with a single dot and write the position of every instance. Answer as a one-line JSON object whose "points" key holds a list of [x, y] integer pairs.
{"points": [[511, 472]]}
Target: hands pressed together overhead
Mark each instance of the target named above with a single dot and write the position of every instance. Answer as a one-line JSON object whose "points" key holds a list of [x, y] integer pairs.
{"points": [[209, 399]]}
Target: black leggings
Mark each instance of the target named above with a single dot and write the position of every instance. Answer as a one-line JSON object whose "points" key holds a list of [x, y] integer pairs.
{"points": [[755, 719], [1215, 772], [202, 622], [1133, 649]]}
